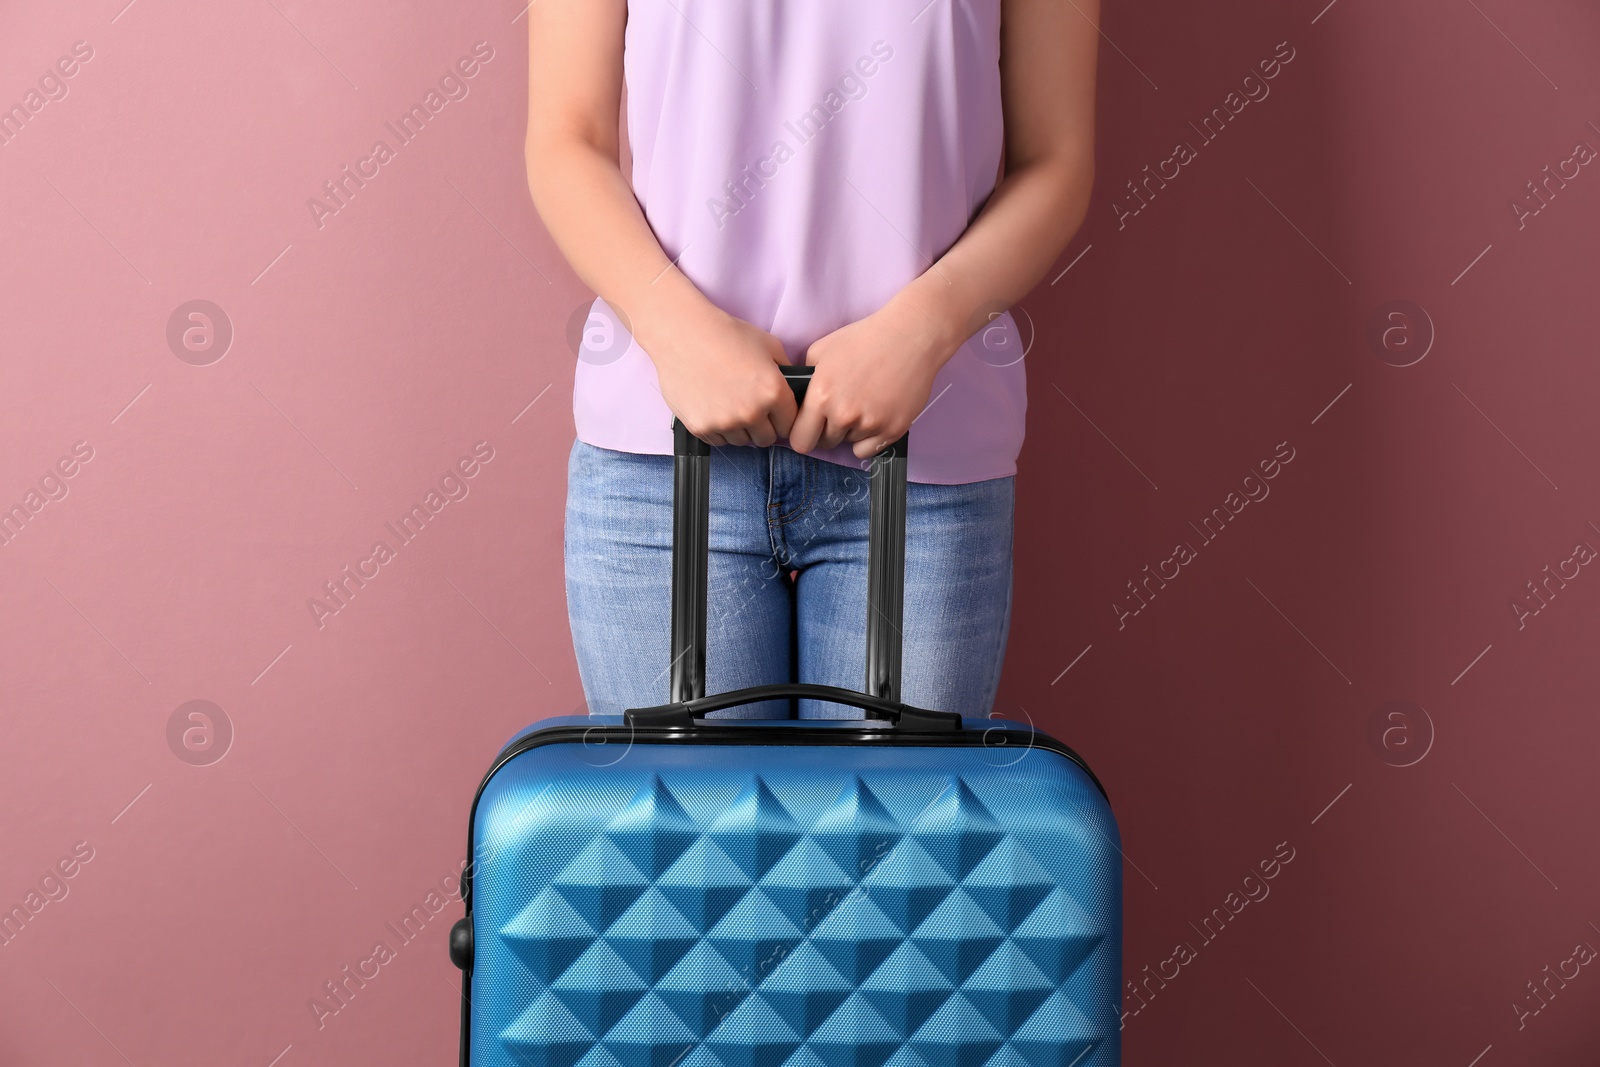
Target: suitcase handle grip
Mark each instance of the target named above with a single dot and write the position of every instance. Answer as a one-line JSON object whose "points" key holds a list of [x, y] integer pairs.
{"points": [[683, 713], [886, 561]]}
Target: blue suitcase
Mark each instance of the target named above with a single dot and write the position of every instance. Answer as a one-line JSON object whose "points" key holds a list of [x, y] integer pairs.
{"points": [[909, 889]]}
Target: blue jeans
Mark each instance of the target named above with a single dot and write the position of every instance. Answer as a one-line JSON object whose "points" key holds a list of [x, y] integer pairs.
{"points": [[774, 511]]}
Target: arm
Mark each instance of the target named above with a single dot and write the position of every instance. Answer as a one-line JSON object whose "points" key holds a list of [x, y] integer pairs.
{"points": [[718, 373], [874, 376]]}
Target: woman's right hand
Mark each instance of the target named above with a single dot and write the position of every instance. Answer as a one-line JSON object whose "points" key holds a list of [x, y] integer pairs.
{"points": [[720, 377], [719, 374]]}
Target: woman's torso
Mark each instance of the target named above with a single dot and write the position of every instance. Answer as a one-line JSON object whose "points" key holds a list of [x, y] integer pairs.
{"points": [[801, 161]]}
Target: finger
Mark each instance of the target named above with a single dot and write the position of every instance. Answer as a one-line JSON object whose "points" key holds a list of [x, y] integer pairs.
{"points": [[783, 414], [761, 433], [869, 447], [807, 428], [836, 433], [713, 439], [736, 436], [876, 436]]}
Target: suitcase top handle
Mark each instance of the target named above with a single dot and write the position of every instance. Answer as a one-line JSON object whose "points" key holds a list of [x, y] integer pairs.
{"points": [[683, 713], [886, 560]]}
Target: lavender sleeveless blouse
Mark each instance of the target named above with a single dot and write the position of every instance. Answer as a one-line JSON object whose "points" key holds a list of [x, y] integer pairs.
{"points": [[801, 161]]}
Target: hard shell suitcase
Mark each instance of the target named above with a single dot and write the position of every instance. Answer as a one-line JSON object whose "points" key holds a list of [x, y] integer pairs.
{"points": [[911, 889]]}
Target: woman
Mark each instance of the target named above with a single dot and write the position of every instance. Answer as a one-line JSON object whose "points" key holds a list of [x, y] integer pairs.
{"points": [[861, 185]]}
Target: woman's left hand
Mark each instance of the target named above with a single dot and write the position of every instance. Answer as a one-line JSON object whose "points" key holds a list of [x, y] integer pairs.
{"points": [[872, 379]]}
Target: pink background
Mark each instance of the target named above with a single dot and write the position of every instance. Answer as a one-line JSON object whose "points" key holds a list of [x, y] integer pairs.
{"points": [[1233, 713]]}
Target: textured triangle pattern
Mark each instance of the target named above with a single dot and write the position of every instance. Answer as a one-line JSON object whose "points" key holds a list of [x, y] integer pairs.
{"points": [[763, 907]]}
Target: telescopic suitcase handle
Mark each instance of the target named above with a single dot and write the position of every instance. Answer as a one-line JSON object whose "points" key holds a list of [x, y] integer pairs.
{"points": [[886, 563]]}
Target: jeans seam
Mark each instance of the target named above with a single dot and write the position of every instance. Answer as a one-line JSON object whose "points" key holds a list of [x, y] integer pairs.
{"points": [[776, 539]]}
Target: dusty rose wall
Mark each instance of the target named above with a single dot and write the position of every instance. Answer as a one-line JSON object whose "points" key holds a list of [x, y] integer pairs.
{"points": [[1244, 710]]}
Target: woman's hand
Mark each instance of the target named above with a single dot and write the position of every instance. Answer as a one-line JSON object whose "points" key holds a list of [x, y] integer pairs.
{"points": [[719, 375], [872, 380]]}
